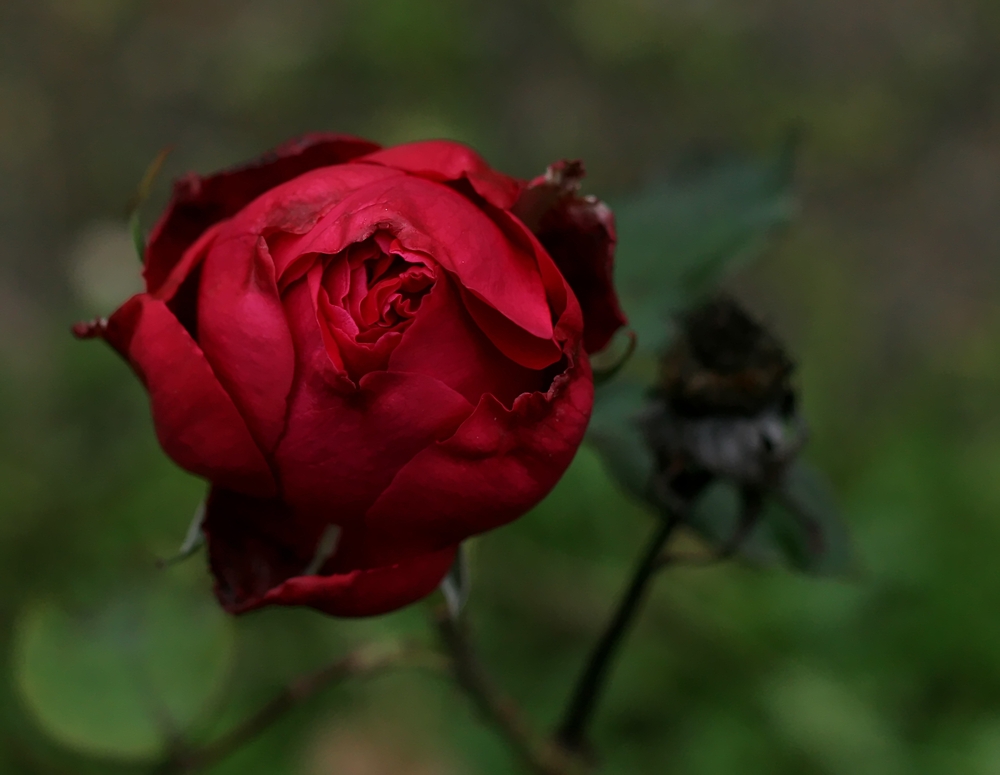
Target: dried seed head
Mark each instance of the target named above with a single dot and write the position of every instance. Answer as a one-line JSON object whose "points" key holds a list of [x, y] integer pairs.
{"points": [[725, 363], [725, 406]]}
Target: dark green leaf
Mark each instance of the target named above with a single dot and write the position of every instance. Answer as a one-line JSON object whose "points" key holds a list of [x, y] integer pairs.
{"points": [[805, 516], [139, 198], [678, 238], [138, 238], [715, 515], [615, 431], [799, 526]]}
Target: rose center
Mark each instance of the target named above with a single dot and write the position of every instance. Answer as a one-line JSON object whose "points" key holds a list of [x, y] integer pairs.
{"points": [[380, 291]]}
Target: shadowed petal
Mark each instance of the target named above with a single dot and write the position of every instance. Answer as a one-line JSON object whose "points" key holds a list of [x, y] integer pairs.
{"points": [[499, 464], [196, 421], [243, 333], [367, 592], [198, 202], [260, 550], [579, 234], [343, 444], [434, 220], [446, 161]]}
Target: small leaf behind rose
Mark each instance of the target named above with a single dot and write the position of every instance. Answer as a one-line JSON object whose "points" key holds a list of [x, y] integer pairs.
{"points": [[139, 197], [615, 431], [809, 524], [679, 237], [610, 361], [715, 515], [799, 527]]}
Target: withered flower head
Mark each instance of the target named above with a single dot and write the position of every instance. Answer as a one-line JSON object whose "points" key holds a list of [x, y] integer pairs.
{"points": [[725, 406], [725, 363]]}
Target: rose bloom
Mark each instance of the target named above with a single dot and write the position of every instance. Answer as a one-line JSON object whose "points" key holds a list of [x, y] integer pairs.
{"points": [[371, 354]]}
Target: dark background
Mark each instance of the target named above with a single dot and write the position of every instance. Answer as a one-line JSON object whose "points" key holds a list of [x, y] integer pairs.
{"points": [[885, 289]]}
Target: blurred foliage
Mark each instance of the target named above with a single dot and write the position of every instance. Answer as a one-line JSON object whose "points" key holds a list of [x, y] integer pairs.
{"points": [[678, 239], [123, 680], [885, 287], [677, 242]]}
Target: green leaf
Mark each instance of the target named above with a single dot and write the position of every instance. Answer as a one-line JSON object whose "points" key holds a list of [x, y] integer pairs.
{"points": [[138, 238], [120, 680], [677, 239], [799, 526], [809, 524], [615, 432], [715, 515], [139, 198]]}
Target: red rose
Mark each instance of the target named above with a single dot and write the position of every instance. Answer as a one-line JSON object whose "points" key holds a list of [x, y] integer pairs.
{"points": [[369, 356]]}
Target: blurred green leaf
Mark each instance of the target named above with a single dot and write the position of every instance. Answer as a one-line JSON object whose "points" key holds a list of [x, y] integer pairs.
{"points": [[715, 515], [119, 681], [800, 525], [139, 198], [678, 238], [806, 518], [615, 431], [138, 238]]}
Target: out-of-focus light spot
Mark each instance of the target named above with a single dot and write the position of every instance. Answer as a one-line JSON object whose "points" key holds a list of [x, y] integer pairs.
{"points": [[266, 44], [833, 725], [103, 267], [374, 750]]}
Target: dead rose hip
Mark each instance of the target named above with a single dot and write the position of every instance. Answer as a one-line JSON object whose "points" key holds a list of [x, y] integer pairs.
{"points": [[371, 354]]}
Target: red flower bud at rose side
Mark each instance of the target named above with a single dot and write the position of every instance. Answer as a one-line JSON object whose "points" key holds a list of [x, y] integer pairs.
{"points": [[382, 345]]}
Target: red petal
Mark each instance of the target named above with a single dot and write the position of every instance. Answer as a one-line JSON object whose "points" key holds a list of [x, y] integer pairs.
{"points": [[515, 343], [312, 355], [579, 234], [254, 545], [196, 421], [243, 333], [434, 220], [532, 352], [446, 161], [259, 549], [343, 444], [286, 212], [198, 202], [445, 342], [498, 465], [367, 592]]}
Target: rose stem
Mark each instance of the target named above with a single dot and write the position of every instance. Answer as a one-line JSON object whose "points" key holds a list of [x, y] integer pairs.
{"points": [[572, 733], [364, 661], [539, 755]]}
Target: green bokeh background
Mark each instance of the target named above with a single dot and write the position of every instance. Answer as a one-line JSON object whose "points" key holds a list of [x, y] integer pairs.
{"points": [[885, 289]]}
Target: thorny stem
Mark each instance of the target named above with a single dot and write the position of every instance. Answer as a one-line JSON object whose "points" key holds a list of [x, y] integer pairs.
{"points": [[364, 661], [752, 503], [541, 756], [572, 733]]}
